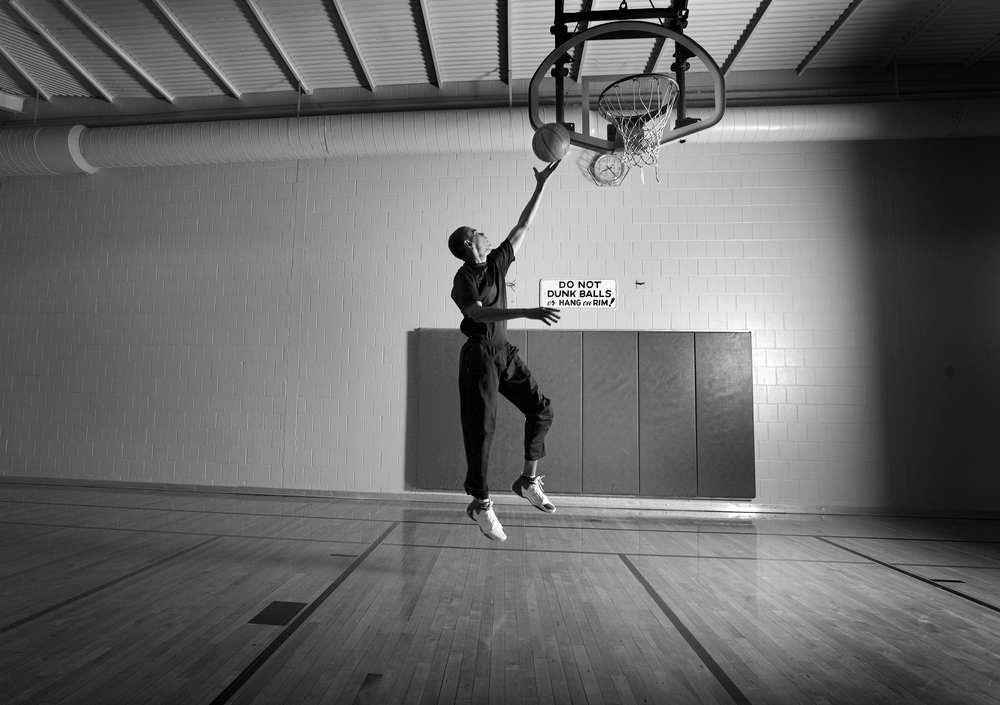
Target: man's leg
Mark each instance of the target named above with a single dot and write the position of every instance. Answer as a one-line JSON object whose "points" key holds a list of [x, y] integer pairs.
{"points": [[518, 385], [477, 387]]}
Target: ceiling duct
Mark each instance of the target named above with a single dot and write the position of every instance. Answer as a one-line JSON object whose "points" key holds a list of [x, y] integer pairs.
{"points": [[39, 151], [840, 123], [330, 137]]}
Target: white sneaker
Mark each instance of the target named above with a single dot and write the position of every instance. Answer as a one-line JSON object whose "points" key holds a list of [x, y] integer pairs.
{"points": [[482, 514], [531, 489]]}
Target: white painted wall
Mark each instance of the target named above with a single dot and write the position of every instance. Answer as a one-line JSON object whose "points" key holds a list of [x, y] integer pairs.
{"points": [[247, 325]]}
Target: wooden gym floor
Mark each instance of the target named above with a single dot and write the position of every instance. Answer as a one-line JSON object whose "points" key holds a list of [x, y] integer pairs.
{"points": [[135, 596]]}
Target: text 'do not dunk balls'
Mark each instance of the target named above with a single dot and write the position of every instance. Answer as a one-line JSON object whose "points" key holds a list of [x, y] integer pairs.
{"points": [[551, 142]]}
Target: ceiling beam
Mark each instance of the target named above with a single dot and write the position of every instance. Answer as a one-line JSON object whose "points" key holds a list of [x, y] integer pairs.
{"points": [[982, 51], [354, 45], [580, 50], [913, 33], [303, 86], [219, 74], [39, 91], [62, 51], [435, 69], [745, 37], [118, 50], [503, 27], [579, 57], [841, 21], [655, 54]]}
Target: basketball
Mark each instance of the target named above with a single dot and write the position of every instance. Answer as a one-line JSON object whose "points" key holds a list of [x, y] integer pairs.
{"points": [[551, 142]]}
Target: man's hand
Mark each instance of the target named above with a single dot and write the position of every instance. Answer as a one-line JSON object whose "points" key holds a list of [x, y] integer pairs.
{"points": [[548, 316], [542, 176]]}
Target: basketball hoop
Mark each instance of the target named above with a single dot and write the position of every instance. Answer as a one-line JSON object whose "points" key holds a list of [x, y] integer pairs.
{"points": [[638, 107]]}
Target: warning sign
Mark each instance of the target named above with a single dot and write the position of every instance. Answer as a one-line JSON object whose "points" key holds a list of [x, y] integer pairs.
{"points": [[578, 293]]}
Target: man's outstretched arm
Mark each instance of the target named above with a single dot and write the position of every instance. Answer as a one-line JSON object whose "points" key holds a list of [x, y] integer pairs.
{"points": [[516, 236], [481, 314]]}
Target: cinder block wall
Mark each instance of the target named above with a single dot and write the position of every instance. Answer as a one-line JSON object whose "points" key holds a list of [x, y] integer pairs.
{"points": [[249, 325]]}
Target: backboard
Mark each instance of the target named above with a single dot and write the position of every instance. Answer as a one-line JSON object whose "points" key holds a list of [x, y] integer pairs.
{"points": [[593, 58]]}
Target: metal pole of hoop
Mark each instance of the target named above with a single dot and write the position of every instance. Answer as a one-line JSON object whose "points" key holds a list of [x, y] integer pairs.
{"points": [[559, 70]]}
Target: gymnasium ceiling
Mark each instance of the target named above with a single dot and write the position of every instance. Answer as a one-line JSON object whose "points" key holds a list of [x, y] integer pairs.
{"points": [[107, 62]]}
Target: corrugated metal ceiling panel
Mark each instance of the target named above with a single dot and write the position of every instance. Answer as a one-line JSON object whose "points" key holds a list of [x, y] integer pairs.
{"points": [[788, 32], [46, 69], [394, 45], [530, 37], [106, 67], [872, 31], [462, 30], [308, 30], [956, 34], [9, 82], [146, 36], [390, 40], [717, 25], [231, 35]]}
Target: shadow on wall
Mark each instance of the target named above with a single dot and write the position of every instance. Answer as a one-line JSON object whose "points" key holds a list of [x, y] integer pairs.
{"points": [[937, 264]]}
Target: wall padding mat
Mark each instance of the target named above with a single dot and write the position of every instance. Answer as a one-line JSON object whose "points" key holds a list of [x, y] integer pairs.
{"points": [[668, 448], [724, 390], [556, 360], [610, 412]]}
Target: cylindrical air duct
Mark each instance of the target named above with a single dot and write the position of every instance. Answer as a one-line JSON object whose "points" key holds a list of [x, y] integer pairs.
{"points": [[37, 151], [348, 136], [836, 123], [43, 151]]}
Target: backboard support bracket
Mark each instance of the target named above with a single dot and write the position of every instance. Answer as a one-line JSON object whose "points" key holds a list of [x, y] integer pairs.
{"points": [[675, 17]]}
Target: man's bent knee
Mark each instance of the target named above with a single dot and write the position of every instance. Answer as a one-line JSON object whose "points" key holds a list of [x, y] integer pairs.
{"points": [[545, 413]]}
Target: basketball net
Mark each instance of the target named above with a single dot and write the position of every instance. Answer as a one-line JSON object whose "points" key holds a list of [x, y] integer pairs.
{"points": [[639, 107]]}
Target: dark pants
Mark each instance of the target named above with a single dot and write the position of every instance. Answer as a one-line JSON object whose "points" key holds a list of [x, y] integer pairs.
{"points": [[485, 371]]}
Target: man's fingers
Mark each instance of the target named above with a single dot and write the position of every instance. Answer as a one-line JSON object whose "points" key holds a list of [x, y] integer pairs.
{"points": [[549, 315]]}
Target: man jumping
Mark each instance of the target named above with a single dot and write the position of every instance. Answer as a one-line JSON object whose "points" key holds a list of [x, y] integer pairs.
{"points": [[489, 365]]}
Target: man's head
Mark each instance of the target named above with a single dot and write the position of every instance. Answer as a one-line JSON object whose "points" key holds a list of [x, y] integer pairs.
{"points": [[468, 244]]}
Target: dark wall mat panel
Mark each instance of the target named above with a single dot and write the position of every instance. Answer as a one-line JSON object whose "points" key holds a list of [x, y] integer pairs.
{"points": [[668, 448], [440, 457], [556, 360], [724, 390], [440, 452], [610, 412]]}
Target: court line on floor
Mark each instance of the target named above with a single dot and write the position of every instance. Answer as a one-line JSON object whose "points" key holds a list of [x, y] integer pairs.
{"points": [[27, 485], [612, 552], [702, 532], [922, 579], [452, 547], [258, 537], [710, 663], [950, 565], [182, 533], [110, 583], [248, 672]]}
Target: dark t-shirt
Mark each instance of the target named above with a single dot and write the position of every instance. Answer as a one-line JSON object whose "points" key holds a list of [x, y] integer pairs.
{"points": [[485, 283]]}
